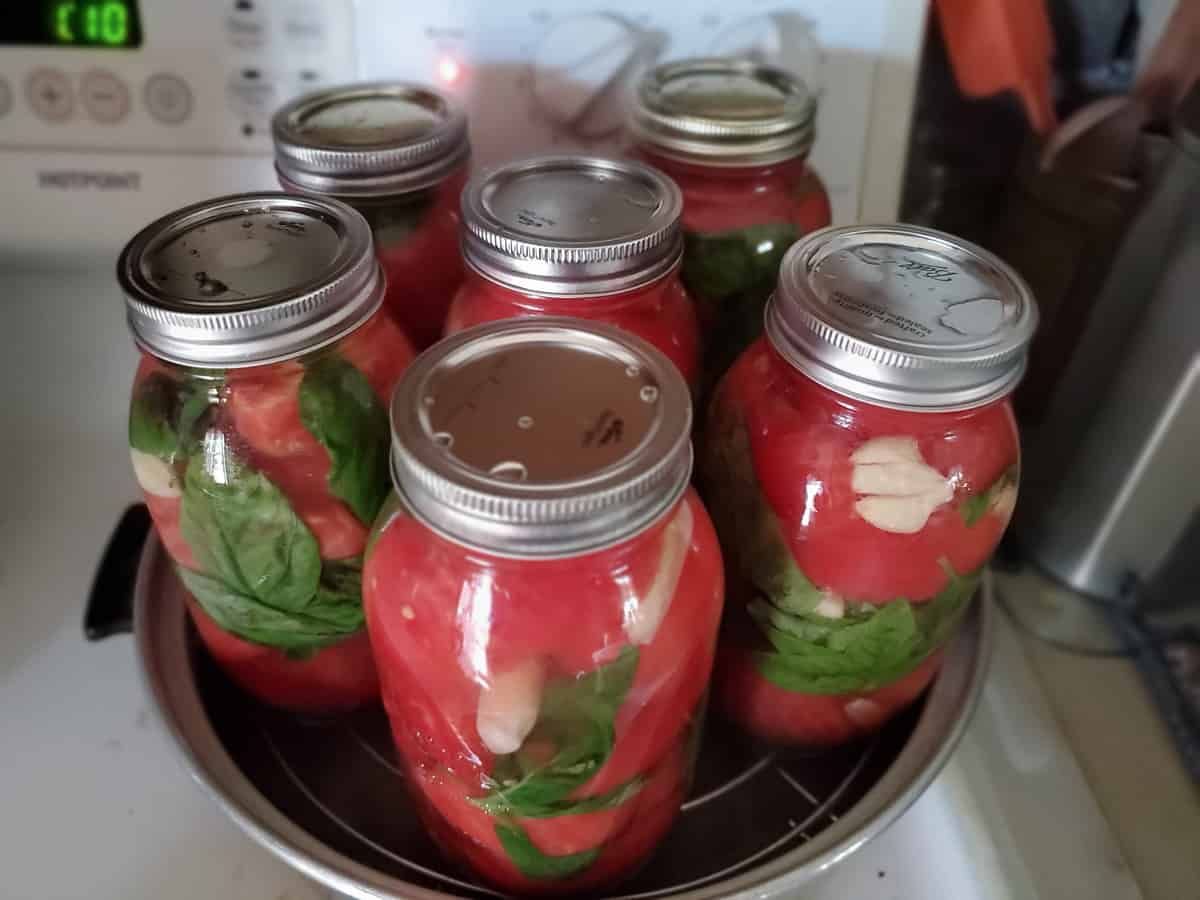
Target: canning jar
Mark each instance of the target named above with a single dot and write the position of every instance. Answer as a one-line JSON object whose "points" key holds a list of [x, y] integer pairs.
{"points": [[397, 153], [861, 464], [578, 236], [258, 431], [735, 136], [543, 593]]}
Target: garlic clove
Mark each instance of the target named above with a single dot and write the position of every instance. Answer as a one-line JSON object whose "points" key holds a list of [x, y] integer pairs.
{"points": [[897, 515], [508, 707], [832, 606], [866, 714], [643, 617], [894, 448], [900, 479], [1004, 501], [155, 475]]}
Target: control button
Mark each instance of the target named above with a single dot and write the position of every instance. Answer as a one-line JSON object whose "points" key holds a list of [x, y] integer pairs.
{"points": [[5, 97], [304, 81], [304, 25], [49, 93], [168, 98], [246, 24], [104, 96], [252, 94]]}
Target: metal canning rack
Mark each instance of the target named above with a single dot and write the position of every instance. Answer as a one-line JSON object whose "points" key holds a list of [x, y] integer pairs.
{"points": [[328, 796]]}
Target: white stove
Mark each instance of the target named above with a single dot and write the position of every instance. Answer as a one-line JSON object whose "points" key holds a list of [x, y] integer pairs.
{"points": [[97, 804]]}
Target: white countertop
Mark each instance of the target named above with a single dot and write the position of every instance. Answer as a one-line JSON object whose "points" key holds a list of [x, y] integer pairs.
{"points": [[97, 805]]}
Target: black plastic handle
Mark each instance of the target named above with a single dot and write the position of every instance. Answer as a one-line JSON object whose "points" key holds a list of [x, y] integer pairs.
{"points": [[110, 604]]}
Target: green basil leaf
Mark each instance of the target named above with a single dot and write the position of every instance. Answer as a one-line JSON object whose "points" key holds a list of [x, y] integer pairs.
{"points": [[869, 648], [576, 718], [747, 525], [393, 221], [338, 600], [498, 803], [974, 507], [243, 532], [730, 275], [296, 633], [152, 417], [340, 409], [535, 864]]}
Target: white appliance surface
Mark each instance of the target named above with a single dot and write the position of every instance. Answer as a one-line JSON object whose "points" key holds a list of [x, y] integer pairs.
{"points": [[96, 141], [97, 804]]}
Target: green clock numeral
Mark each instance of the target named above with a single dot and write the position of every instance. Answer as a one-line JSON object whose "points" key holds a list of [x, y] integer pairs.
{"points": [[114, 23], [96, 22], [64, 15], [91, 23]]}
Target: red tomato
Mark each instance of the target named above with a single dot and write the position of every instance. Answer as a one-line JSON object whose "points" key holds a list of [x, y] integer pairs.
{"points": [[265, 409], [802, 437], [673, 669], [717, 199], [425, 268], [444, 621], [626, 837], [811, 720], [411, 589], [338, 677], [657, 808], [380, 350], [339, 534], [661, 313]]}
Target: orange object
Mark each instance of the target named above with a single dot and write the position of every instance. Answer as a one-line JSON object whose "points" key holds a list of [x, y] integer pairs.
{"points": [[999, 45]]}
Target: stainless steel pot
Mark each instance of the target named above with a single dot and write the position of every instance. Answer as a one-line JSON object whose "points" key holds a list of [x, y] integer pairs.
{"points": [[327, 797]]}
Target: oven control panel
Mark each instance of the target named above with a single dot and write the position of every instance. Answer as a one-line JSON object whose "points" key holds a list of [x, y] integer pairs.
{"points": [[113, 112], [163, 77]]}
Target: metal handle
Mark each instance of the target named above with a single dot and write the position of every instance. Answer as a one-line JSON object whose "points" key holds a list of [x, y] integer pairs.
{"points": [[110, 604]]}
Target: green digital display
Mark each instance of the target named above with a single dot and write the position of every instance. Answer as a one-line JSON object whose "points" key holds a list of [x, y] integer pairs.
{"points": [[72, 23]]}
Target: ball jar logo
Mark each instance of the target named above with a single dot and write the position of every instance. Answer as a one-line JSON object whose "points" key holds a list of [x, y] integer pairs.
{"points": [[930, 271]]}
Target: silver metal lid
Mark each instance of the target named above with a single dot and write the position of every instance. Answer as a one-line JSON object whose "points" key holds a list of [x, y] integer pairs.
{"points": [[369, 140], [724, 112], [902, 316], [541, 437], [572, 225], [248, 279]]}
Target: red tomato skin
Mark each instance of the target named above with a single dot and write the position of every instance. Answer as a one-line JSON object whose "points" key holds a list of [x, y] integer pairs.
{"points": [[801, 437], [425, 268], [336, 678], [810, 720], [723, 198], [435, 645], [467, 834], [661, 313], [257, 410]]}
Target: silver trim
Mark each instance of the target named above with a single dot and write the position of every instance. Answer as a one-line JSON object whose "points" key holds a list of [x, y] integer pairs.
{"points": [[369, 170], [662, 127], [861, 358], [251, 329], [517, 256]]}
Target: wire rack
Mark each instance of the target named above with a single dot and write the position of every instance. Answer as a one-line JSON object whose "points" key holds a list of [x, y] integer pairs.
{"points": [[339, 781]]}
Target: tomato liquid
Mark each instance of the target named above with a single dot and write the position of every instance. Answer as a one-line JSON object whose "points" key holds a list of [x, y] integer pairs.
{"points": [[447, 624]]}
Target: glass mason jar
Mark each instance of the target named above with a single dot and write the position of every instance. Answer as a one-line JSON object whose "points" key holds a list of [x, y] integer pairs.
{"points": [[861, 464], [259, 434], [735, 136], [543, 593], [578, 236], [397, 153]]}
